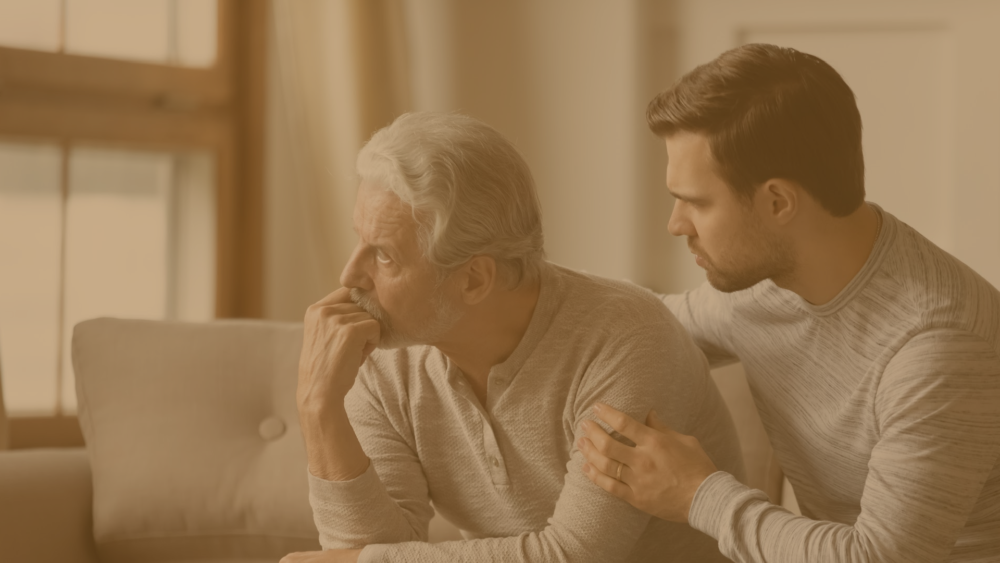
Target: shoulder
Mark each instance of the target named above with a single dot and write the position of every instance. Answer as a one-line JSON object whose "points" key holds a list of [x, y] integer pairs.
{"points": [[940, 372], [610, 306], [938, 290], [631, 335], [938, 352], [940, 362]]}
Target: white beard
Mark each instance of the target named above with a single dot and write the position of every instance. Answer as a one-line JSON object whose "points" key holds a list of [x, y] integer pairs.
{"points": [[446, 314]]}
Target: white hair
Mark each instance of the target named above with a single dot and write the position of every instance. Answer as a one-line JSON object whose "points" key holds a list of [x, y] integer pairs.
{"points": [[470, 190]]}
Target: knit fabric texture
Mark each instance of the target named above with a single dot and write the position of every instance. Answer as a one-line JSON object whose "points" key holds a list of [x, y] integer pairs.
{"points": [[883, 407], [508, 473]]}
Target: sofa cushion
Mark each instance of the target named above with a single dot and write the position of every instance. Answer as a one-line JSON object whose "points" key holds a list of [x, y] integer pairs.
{"points": [[193, 439]]}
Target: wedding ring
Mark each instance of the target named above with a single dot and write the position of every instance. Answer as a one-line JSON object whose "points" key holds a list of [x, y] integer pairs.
{"points": [[618, 474]]}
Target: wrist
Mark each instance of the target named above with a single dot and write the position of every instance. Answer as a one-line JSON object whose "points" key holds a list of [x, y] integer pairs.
{"points": [[692, 492], [714, 497], [332, 447]]}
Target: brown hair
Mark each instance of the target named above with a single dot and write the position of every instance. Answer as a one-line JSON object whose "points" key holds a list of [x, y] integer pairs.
{"points": [[772, 112]]}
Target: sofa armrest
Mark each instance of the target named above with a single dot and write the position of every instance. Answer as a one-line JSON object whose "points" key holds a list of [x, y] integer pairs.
{"points": [[45, 506]]}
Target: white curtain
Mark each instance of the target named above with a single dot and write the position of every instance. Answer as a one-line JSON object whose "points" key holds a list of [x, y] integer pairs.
{"points": [[338, 72]]}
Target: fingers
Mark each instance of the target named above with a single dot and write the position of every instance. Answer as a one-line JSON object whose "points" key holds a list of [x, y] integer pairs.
{"points": [[653, 421], [354, 317], [340, 295], [609, 484], [605, 444], [603, 463], [337, 309], [621, 422]]}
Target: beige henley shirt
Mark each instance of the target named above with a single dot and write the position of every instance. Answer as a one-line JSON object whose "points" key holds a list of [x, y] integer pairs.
{"points": [[508, 472]]}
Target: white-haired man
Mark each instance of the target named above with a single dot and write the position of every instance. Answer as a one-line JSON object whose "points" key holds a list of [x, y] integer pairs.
{"points": [[456, 366]]}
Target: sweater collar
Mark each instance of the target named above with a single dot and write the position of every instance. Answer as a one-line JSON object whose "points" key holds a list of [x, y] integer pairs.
{"points": [[883, 242]]}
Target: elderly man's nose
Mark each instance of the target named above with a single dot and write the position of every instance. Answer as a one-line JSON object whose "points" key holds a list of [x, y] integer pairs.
{"points": [[353, 274]]}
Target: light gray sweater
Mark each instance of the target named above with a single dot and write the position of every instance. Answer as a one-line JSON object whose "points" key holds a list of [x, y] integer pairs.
{"points": [[508, 472], [883, 407]]}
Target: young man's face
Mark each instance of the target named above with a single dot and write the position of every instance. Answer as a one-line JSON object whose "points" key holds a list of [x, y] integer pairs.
{"points": [[390, 277], [726, 234]]}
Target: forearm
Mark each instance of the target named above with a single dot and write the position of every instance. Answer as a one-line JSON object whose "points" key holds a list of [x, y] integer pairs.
{"points": [[360, 512], [508, 550], [388, 501], [585, 544], [750, 529], [332, 446]]}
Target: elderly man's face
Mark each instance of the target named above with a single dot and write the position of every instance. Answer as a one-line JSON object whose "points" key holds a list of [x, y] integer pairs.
{"points": [[390, 277]]}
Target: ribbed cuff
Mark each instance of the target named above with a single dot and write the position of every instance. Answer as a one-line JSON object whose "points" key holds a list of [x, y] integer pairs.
{"points": [[373, 553], [711, 501], [360, 490]]}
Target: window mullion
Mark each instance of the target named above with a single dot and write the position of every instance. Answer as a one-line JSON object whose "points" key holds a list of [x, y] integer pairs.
{"points": [[61, 333]]}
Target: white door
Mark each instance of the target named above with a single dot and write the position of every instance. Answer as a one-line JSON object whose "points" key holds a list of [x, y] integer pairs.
{"points": [[927, 78]]}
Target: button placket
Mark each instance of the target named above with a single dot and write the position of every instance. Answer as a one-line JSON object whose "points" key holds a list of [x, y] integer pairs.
{"points": [[494, 460], [491, 449]]}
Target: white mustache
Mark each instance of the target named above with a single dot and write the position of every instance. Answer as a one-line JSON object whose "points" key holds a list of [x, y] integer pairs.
{"points": [[368, 304]]}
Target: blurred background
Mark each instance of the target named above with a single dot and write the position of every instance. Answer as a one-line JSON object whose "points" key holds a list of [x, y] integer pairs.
{"points": [[193, 159]]}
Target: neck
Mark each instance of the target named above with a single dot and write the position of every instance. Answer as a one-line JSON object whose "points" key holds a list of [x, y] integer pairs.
{"points": [[489, 331], [829, 252]]}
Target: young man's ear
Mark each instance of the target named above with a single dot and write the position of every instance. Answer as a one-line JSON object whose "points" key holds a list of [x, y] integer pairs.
{"points": [[780, 200], [479, 276]]}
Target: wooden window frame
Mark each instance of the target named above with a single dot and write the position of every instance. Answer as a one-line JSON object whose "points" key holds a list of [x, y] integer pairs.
{"points": [[63, 98]]}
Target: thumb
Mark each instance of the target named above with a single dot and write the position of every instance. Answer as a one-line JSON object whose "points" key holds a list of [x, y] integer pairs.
{"points": [[655, 423]]}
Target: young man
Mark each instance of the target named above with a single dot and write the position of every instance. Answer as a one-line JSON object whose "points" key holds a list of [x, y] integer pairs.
{"points": [[871, 353], [488, 359]]}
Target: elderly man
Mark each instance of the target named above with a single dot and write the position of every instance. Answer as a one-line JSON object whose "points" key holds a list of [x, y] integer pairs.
{"points": [[455, 366]]}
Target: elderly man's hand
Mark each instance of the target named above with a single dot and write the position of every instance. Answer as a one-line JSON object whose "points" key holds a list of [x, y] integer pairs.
{"points": [[660, 475], [328, 556], [338, 337]]}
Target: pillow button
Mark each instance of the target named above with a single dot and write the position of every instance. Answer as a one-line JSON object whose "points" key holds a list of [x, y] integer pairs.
{"points": [[271, 428]]}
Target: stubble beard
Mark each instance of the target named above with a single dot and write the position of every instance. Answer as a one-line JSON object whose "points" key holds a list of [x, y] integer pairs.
{"points": [[758, 257], [446, 314]]}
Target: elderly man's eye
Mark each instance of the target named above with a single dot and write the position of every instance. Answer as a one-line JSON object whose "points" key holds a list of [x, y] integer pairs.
{"points": [[382, 257]]}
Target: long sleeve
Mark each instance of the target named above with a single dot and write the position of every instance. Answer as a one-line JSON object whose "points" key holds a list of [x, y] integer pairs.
{"points": [[938, 427], [706, 315], [371, 509], [387, 508]]}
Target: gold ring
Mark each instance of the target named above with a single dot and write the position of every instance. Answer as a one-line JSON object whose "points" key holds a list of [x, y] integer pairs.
{"points": [[618, 474]]}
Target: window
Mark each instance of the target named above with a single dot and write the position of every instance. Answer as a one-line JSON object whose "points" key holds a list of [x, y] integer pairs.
{"points": [[130, 173], [181, 32]]}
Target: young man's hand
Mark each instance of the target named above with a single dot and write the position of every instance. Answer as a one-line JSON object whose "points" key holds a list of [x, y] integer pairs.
{"points": [[660, 475]]}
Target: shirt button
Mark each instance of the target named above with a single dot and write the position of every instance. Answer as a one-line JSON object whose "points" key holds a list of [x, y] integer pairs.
{"points": [[496, 462], [498, 382]]}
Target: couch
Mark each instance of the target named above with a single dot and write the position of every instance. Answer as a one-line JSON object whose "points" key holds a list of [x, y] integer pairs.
{"points": [[194, 452]]}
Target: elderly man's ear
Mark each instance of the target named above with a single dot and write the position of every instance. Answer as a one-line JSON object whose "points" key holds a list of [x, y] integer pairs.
{"points": [[477, 278]]}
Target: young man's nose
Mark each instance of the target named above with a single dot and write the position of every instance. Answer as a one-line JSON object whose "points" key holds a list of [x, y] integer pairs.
{"points": [[678, 224]]}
